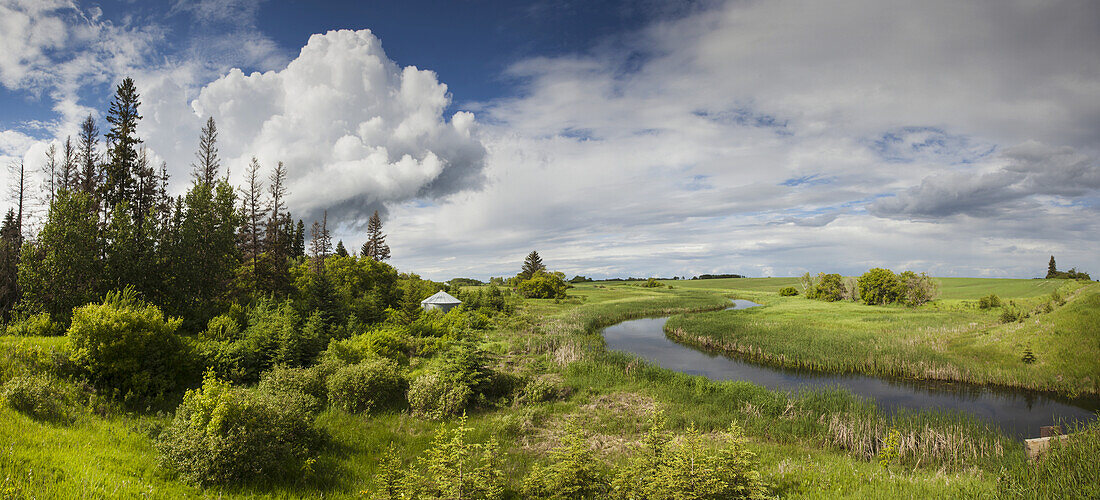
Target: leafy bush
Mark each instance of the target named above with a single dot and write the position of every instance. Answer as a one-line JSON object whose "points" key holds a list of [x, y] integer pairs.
{"points": [[221, 328], [918, 289], [541, 390], [788, 291], [127, 346], [368, 386], [1012, 313], [543, 285], [437, 395], [828, 287], [880, 286], [35, 325], [223, 434], [652, 283], [271, 337], [41, 396], [304, 387], [390, 341], [452, 467], [989, 301]]}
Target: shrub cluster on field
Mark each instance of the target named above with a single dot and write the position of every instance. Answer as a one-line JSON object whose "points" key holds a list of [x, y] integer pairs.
{"points": [[877, 286]]}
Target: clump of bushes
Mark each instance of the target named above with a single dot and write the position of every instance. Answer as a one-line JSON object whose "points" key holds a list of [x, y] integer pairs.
{"points": [[541, 390], [456, 378], [41, 396], [302, 387], [126, 345], [652, 283], [881, 286], [989, 301], [436, 395], [368, 386], [1013, 313], [34, 325], [544, 285], [223, 434], [788, 291]]}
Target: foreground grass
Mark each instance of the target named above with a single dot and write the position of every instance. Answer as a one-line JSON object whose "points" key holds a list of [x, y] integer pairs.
{"points": [[810, 445], [950, 339]]}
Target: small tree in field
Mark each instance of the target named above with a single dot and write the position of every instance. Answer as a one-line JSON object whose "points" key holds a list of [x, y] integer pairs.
{"points": [[531, 264], [880, 286]]}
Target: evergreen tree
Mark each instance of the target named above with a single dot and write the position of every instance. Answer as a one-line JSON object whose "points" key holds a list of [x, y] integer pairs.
{"points": [[321, 245], [375, 246], [340, 250], [531, 265], [122, 141], [10, 243], [62, 270], [202, 252], [206, 169], [17, 193], [253, 215], [88, 177], [50, 171], [67, 176], [1052, 269], [300, 240], [278, 240]]}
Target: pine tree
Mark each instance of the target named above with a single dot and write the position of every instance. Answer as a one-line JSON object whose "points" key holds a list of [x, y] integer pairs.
{"points": [[68, 174], [278, 241], [340, 250], [1052, 268], [88, 177], [17, 193], [50, 171], [531, 265], [122, 144], [253, 214], [206, 169], [321, 245], [9, 264], [375, 246], [300, 240]]}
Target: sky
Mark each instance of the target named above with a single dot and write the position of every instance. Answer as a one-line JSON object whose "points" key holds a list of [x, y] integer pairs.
{"points": [[633, 138]]}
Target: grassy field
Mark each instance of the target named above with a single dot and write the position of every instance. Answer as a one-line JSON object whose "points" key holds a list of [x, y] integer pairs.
{"points": [[808, 445], [948, 339]]}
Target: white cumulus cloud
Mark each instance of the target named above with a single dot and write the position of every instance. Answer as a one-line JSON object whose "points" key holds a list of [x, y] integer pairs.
{"points": [[354, 129]]}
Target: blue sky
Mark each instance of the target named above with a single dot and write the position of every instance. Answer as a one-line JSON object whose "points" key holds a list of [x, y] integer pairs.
{"points": [[617, 138]]}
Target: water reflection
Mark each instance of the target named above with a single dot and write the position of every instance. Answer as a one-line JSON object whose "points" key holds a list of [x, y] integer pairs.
{"points": [[1019, 413]]}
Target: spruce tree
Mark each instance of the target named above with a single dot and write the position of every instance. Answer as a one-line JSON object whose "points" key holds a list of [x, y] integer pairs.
{"points": [[278, 241], [340, 250], [1052, 268], [531, 264], [122, 143], [88, 176], [205, 170], [321, 245], [68, 174], [300, 240], [253, 215], [9, 264], [375, 246]]}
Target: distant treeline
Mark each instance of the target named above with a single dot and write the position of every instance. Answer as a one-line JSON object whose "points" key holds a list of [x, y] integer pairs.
{"points": [[715, 276]]}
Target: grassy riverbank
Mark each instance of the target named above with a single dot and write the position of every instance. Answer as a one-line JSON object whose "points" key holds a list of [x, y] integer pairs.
{"points": [[948, 339], [808, 445]]}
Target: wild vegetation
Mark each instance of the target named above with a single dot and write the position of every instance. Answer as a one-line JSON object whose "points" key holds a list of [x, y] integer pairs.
{"points": [[194, 347]]}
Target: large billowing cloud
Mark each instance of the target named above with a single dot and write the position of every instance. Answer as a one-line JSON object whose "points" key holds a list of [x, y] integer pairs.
{"points": [[354, 129]]}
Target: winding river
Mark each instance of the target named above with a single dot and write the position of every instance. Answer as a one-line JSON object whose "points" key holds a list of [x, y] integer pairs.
{"points": [[1018, 413]]}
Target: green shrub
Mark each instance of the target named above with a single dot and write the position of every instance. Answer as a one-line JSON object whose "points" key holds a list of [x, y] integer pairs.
{"points": [[918, 289], [304, 387], [989, 301], [221, 328], [223, 434], [1057, 298], [1012, 313], [368, 386], [35, 325], [828, 287], [541, 390], [452, 467], [880, 286], [41, 396], [437, 396], [543, 285], [692, 467], [572, 472], [390, 341], [127, 346], [652, 283], [788, 291]]}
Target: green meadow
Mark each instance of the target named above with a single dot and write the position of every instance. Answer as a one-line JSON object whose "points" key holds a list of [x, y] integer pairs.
{"points": [[950, 338], [810, 444]]}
